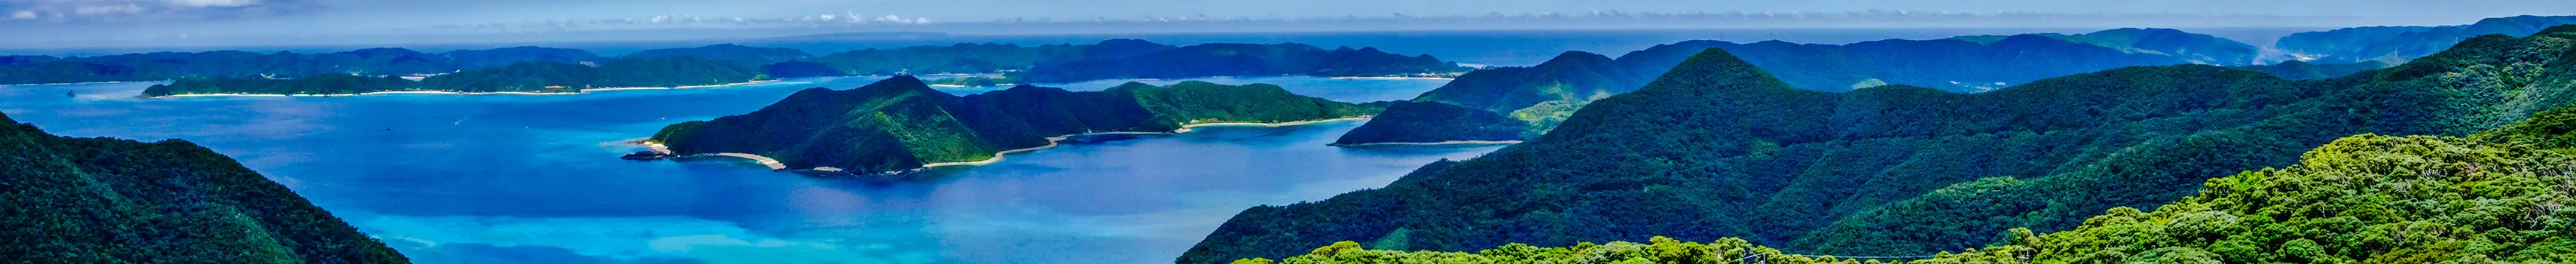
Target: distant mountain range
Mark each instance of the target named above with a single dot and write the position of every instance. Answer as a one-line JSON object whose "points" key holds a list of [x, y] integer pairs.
{"points": [[901, 123], [1112, 59], [1719, 148], [2401, 43], [1515, 103]]}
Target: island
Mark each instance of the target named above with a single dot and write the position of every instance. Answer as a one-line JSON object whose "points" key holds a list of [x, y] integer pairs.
{"points": [[523, 77], [105, 200], [900, 124]]}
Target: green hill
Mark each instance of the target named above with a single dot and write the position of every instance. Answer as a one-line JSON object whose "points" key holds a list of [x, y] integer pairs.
{"points": [[103, 200], [1718, 148], [900, 123], [1535, 99], [2196, 48], [2360, 199]]}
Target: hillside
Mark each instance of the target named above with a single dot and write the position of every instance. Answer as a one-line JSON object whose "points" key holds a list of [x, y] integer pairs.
{"points": [[2360, 199], [2398, 44], [1532, 100], [1229, 59], [900, 123], [1900, 170], [104, 200]]}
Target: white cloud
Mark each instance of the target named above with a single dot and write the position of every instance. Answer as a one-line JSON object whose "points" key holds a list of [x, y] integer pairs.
{"points": [[83, 11], [214, 3]]}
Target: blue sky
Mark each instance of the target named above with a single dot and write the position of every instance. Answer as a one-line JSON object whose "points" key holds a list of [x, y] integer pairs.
{"points": [[80, 22]]}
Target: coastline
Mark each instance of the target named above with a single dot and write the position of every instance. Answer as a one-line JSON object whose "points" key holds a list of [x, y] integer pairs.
{"points": [[1186, 128], [582, 91], [1393, 78], [1442, 143], [1052, 142]]}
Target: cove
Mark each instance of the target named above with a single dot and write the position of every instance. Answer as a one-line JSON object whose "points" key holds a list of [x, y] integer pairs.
{"points": [[535, 178]]}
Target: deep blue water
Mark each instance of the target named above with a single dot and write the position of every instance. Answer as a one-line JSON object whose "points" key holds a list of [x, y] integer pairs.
{"points": [[535, 178]]}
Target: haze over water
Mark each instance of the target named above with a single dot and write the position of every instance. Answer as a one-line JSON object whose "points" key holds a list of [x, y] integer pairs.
{"points": [[535, 179]]}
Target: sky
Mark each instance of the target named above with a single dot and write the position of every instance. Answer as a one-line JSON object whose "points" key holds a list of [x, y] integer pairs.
{"points": [[75, 23]]}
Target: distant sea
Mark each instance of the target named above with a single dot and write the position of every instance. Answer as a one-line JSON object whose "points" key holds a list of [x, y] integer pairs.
{"points": [[1489, 47]]}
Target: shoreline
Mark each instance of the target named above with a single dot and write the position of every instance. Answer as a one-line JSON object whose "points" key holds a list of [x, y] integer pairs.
{"points": [[1393, 78], [582, 91], [1442, 143], [1186, 128], [1052, 142]]}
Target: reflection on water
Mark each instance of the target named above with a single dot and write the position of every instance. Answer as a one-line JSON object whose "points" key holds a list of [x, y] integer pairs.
{"points": [[535, 179]]}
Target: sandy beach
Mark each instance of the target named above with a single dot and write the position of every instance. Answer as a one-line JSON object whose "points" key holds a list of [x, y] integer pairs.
{"points": [[1052, 141], [1186, 128], [764, 161], [1442, 143], [1394, 78]]}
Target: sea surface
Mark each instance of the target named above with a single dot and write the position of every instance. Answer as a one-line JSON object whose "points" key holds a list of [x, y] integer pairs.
{"points": [[536, 179]]}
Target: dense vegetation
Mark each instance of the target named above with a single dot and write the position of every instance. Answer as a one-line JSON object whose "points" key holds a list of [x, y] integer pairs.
{"points": [[976, 81], [1717, 148], [900, 123], [2196, 48], [2398, 44], [2361, 199], [1536, 98], [521, 77], [747, 56], [2300, 70], [102, 200], [1227, 59]]}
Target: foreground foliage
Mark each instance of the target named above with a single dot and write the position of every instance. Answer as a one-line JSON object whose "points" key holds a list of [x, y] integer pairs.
{"points": [[2361, 199], [102, 200]]}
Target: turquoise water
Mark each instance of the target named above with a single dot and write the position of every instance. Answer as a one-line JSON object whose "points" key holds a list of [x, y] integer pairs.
{"points": [[535, 178]]}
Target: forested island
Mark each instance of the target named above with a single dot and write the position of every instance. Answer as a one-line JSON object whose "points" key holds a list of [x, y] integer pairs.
{"points": [[901, 123], [523, 77], [1718, 148], [105, 200]]}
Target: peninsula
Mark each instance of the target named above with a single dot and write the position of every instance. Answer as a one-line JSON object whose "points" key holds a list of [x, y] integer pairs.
{"points": [[900, 124]]}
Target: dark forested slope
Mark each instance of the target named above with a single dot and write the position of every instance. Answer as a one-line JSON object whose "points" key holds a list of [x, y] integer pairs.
{"points": [[103, 200], [1535, 99]]}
